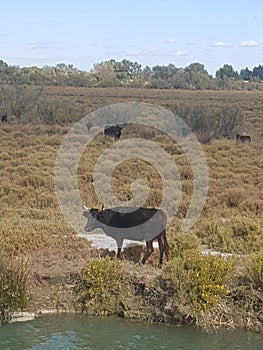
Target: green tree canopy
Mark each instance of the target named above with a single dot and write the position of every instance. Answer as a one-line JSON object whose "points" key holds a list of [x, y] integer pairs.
{"points": [[227, 71]]}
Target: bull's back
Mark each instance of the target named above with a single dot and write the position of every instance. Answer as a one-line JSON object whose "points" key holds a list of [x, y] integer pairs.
{"points": [[130, 217]]}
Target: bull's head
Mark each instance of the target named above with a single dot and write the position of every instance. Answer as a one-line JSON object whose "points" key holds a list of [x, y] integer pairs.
{"points": [[93, 216]]}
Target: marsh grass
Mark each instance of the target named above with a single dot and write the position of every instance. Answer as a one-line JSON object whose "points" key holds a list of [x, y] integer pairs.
{"points": [[254, 269], [31, 221], [27, 192], [237, 234], [13, 286]]}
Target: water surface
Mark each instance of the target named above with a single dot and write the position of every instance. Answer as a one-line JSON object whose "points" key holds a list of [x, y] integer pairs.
{"points": [[97, 333]]}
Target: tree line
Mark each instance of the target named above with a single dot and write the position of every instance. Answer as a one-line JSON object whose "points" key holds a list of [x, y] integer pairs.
{"points": [[132, 74]]}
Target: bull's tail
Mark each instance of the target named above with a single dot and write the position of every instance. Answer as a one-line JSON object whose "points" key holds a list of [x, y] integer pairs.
{"points": [[166, 246]]}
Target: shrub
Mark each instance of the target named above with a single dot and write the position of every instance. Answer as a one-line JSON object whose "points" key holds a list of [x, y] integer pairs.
{"points": [[255, 269], [13, 282], [239, 234], [182, 242], [133, 252], [103, 287], [234, 198], [198, 281]]}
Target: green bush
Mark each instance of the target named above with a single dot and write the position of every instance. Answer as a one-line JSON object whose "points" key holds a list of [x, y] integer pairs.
{"points": [[104, 287], [13, 287], [255, 269], [182, 242], [198, 281], [239, 234]]}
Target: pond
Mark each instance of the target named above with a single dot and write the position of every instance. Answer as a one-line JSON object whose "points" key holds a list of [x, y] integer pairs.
{"points": [[86, 332]]}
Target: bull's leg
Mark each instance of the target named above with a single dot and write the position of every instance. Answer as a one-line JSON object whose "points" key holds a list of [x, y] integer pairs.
{"points": [[119, 244], [161, 248], [149, 251], [118, 253]]}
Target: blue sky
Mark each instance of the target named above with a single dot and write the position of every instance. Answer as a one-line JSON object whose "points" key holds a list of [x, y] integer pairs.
{"points": [[84, 32]]}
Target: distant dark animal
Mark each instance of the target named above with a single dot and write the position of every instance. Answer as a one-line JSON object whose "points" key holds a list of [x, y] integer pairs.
{"points": [[89, 125], [133, 223], [113, 130], [4, 119], [185, 132], [243, 138]]}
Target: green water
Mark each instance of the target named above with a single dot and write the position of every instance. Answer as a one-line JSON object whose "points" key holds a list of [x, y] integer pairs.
{"points": [[83, 332]]}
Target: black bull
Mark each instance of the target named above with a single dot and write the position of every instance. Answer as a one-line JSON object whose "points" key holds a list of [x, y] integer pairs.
{"points": [[113, 130], [4, 119], [136, 224], [243, 138]]}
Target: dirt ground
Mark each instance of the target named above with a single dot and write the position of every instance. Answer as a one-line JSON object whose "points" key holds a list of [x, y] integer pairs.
{"points": [[54, 274]]}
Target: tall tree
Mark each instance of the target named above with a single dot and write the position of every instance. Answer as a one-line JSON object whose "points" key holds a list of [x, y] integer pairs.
{"points": [[258, 72], [198, 76], [164, 72], [104, 72], [245, 74], [227, 71]]}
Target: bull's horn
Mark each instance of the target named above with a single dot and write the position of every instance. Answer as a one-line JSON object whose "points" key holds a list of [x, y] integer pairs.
{"points": [[86, 208], [102, 207]]}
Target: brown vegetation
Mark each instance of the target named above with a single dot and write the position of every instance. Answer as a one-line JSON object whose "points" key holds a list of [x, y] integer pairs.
{"points": [[33, 228]]}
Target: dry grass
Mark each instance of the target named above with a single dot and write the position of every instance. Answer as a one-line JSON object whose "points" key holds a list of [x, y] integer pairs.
{"points": [[32, 225], [63, 105], [30, 215]]}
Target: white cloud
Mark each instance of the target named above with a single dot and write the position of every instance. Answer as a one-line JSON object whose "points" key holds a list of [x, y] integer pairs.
{"points": [[152, 52], [249, 43], [40, 45], [156, 53], [191, 42], [222, 44], [181, 53], [171, 41], [34, 58], [33, 45]]}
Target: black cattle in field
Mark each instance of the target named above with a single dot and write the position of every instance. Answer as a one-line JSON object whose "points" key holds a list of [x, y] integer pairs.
{"points": [[185, 132], [124, 223], [4, 119], [113, 130], [243, 138], [89, 125]]}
